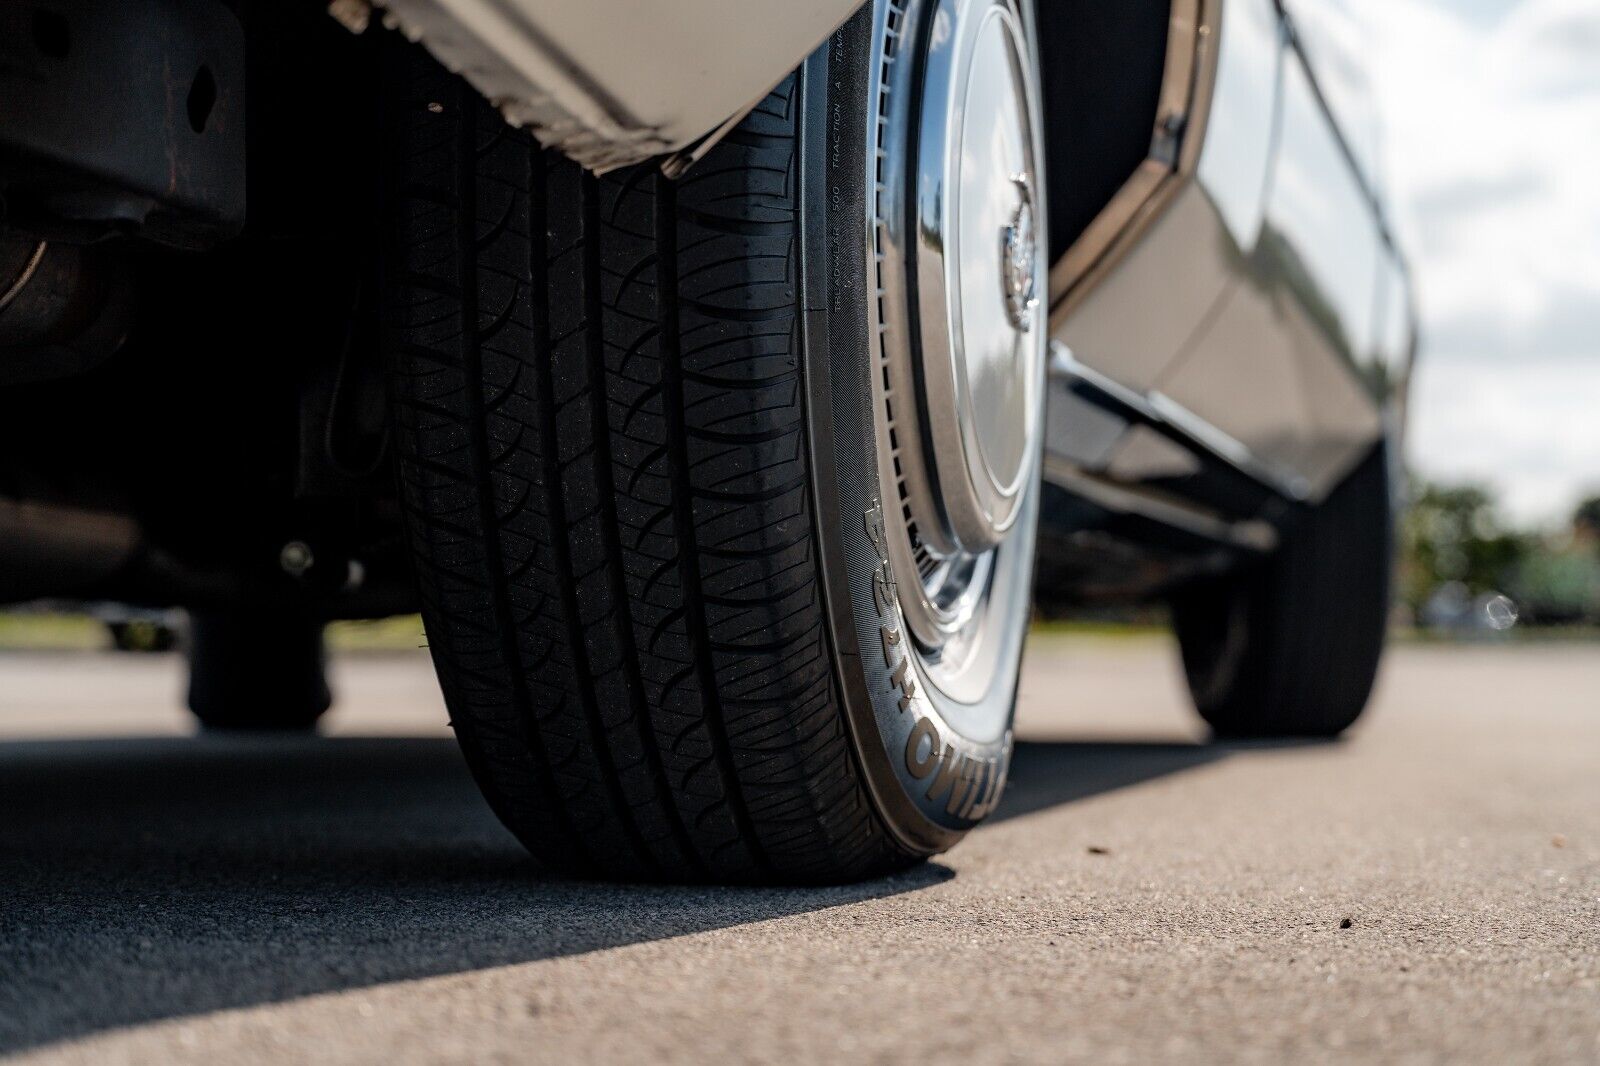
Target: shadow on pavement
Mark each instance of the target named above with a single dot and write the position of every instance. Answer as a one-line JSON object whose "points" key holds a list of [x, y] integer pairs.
{"points": [[1045, 774], [1049, 774], [150, 879]]}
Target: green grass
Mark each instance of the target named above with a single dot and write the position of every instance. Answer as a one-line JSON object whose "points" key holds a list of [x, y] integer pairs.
{"points": [[25, 631], [30, 631], [1096, 629], [1522, 634], [401, 633]]}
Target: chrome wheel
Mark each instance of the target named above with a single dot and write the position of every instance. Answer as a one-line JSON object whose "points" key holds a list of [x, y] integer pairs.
{"points": [[956, 229]]}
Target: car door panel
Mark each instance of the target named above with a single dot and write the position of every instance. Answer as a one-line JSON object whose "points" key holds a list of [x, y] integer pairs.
{"points": [[1137, 318], [1278, 366]]}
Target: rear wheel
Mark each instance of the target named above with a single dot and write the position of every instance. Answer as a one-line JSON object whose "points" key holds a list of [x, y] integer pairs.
{"points": [[718, 585], [1290, 647], [262, 670]]}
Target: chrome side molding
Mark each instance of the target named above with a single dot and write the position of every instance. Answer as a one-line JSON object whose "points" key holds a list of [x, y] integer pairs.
{"points": [[1242, 487]]}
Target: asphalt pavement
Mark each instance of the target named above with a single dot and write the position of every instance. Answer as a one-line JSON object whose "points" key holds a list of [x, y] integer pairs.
{"points": [[1426, 890]]}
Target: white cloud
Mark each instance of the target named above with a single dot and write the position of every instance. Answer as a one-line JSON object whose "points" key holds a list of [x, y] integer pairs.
{"points": [[1491, 148], [1532, 433]]}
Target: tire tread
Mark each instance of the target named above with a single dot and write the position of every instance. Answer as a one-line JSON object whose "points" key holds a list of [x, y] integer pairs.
{"points": [[599, 404]]}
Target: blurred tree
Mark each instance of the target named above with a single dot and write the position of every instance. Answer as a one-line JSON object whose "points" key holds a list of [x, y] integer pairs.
{"points": [[1560, 582], [1559, 585], [1586, 520], [1453, 534]]}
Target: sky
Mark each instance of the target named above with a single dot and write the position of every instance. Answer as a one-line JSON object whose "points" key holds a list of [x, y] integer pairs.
{"points": [[1490, 119]]}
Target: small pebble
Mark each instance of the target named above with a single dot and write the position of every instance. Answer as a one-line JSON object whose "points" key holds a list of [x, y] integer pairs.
{"points": [[1558, 841], [1345, 923]]}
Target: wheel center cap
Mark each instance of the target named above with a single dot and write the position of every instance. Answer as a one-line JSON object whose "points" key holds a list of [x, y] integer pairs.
{"points": [[988, 196], [1017, 260]]}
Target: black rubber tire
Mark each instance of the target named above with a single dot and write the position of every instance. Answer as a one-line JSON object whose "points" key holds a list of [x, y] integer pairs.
{"points": [[609, 451], [258, 671], [1290, 647]]}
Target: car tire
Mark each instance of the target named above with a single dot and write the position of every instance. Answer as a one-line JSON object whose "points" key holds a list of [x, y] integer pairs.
{"points": [[261, 671], [642, 456], [1290, 647]]}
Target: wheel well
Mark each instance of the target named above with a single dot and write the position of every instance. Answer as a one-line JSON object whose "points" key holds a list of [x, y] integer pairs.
{"points": [[1103, 65]]}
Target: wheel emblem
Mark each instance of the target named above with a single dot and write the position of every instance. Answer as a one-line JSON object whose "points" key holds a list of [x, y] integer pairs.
{"points": [[1017, 260]]}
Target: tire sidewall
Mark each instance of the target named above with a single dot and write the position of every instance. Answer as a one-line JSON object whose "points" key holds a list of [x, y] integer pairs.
{"points": [[930, 782]]}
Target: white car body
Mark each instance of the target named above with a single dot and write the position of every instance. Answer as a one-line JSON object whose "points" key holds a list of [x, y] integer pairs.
{"points": [[614, 82]]}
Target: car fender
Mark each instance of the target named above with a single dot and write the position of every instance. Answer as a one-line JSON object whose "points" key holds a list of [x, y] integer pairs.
{"points": [[615, 82]]}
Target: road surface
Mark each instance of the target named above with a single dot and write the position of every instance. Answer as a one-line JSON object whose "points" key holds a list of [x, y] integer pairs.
{"points": [[1428, 889]]}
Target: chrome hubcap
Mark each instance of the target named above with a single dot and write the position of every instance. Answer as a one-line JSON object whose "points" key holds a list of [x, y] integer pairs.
{"points": [[960, 264]]}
